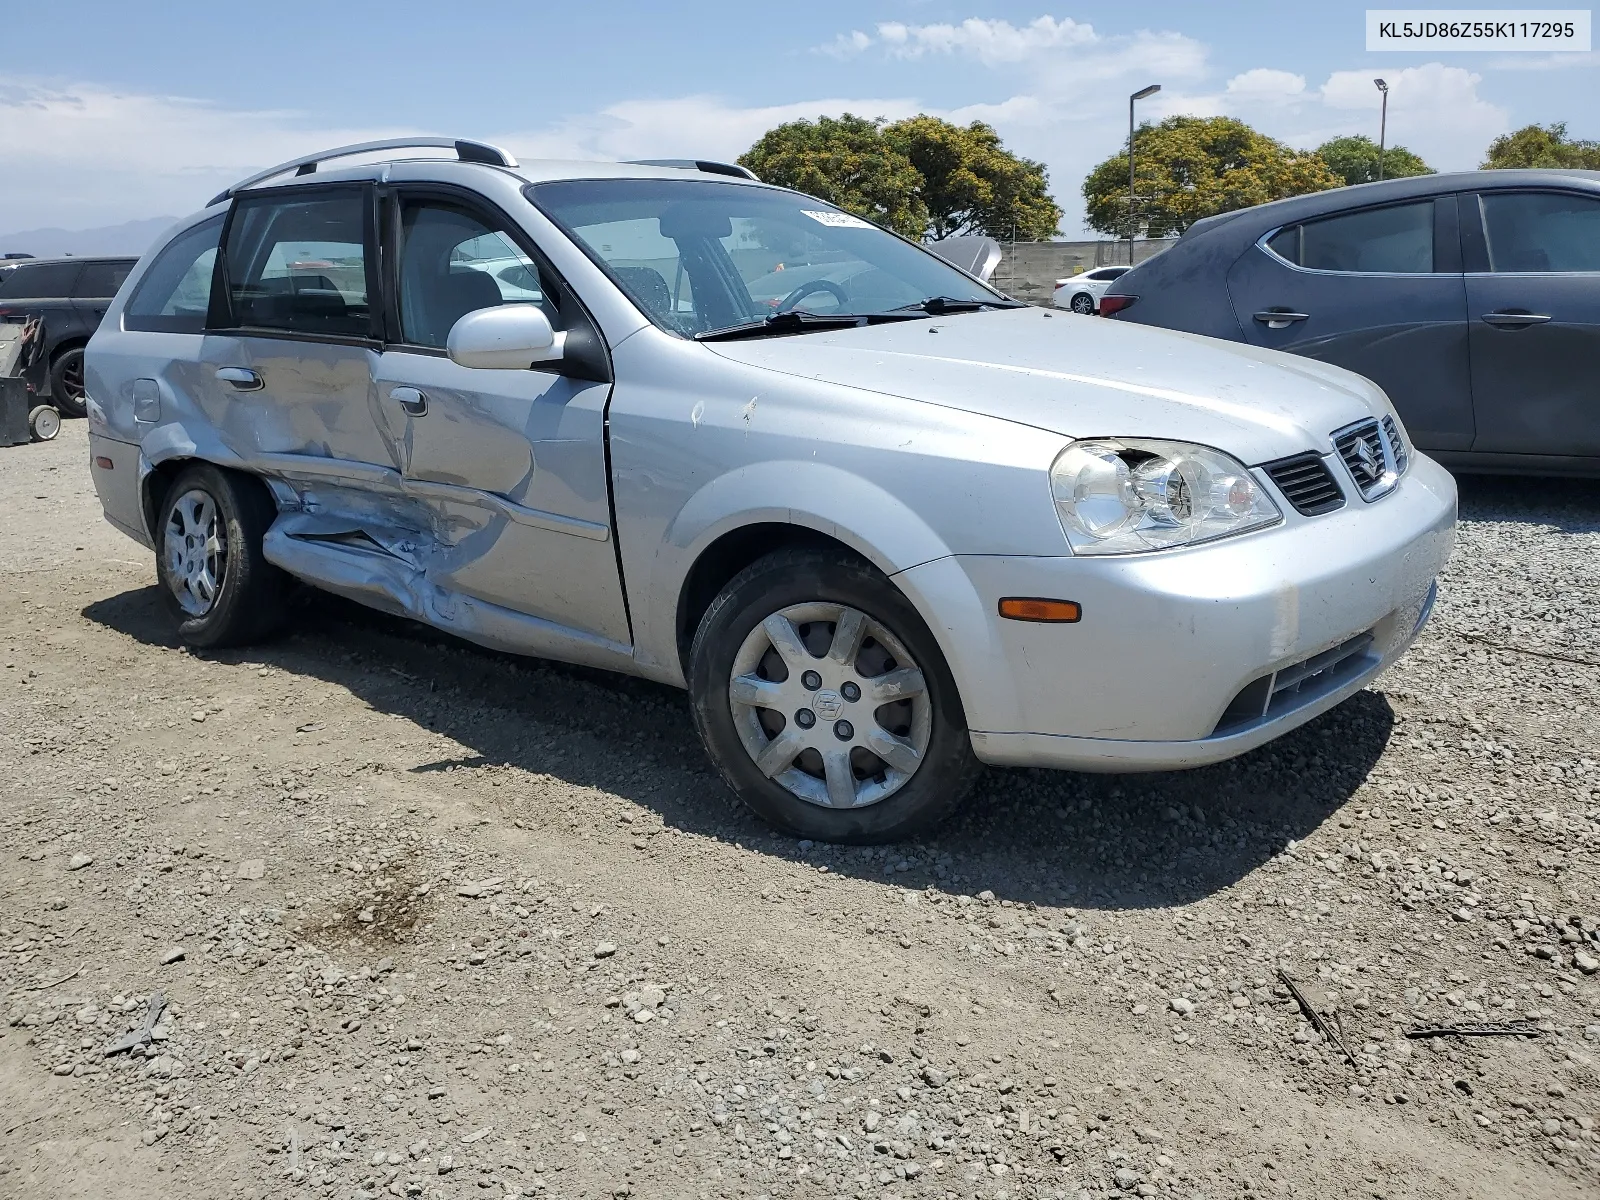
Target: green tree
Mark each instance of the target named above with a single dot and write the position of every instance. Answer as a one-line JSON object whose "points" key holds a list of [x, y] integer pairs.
{"points": [[1355, 160], [972, 184], [845, 161], [1195, 167], [922, 177], [1542, 146]]}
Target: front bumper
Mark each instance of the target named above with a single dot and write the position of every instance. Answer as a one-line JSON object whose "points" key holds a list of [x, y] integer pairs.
{"points": [[1192, 656]]}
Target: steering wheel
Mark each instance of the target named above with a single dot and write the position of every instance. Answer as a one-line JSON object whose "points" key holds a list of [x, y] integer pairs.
{"points": [[805, 289]]}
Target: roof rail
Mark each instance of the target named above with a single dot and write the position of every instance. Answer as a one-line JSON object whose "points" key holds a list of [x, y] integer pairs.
{"points": [[697, 164], [466, 151]]}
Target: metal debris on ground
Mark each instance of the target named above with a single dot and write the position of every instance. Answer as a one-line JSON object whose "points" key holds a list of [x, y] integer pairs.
{"points": [[1477, 1029], [1318, 1021], [145, 1033]]}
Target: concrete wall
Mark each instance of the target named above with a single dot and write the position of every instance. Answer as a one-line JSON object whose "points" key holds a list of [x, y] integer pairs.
{"points": [[1029, 270]]}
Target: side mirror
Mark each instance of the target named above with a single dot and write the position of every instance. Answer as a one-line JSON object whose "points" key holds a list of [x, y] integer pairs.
{"points": [[508, 337]]}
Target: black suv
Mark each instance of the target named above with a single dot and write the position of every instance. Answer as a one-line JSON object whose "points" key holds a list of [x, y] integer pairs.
{"points": [[69, 295]]}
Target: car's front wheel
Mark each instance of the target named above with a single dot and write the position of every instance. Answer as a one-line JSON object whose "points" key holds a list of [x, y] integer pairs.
{"points": [[826, 703], [1082, 304], [213, 576]]}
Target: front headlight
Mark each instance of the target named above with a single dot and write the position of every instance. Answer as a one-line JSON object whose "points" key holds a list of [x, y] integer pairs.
{"points": [[1124, 495]]}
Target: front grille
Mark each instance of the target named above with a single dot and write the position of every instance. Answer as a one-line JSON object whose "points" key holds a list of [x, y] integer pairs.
{"points": [[1306, 483], [1361, 448], [1287, 689], [1397, 445]]}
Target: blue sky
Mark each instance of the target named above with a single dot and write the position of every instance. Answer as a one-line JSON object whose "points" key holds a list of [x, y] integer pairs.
{"points": [[133, 111]]}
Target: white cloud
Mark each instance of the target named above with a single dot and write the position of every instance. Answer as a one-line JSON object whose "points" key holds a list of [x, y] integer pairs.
{"points": [[82, 156], [846, 45], [690, 126], [1433, 109], [1068, 51], [991, 42], [1263, 85]]}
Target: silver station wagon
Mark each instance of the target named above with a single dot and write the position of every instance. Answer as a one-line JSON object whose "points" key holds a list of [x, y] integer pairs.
{"points": [[883, 523]]}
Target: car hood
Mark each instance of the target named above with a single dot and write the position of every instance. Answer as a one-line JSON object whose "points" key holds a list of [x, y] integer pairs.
{"points": [[1086, 377]]}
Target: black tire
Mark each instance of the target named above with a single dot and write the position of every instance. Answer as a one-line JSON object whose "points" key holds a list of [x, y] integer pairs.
{"points": [[66, 383], [814, 576], [44, 422], [1082, 304], [248, 600]]}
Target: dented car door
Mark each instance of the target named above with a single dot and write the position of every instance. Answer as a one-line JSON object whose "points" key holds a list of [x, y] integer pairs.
{"points": [[509, 465]]}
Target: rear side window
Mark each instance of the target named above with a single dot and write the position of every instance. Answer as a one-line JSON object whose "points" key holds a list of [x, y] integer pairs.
{"points": [[40, 281], [1396, 240], [1541, 232], [101, 280], [298, 264], [173, 295]]}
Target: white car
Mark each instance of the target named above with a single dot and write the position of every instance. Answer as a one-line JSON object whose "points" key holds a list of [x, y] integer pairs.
{"points": [[1082, 293]]}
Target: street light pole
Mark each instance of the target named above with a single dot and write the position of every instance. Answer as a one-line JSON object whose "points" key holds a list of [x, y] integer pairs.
{"points": [[1383, 124], [1139, 95]]}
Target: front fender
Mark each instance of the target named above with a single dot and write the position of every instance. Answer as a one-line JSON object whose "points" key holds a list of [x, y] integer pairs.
{"points": [[846, 507], [815, 495]]}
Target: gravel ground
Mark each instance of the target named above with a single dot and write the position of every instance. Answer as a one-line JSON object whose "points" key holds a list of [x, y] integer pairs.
{"points": [[434, 922]]}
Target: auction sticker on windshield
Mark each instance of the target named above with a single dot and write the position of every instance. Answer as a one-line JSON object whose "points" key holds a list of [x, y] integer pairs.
{"points": [[1432, 29], [837, 220]]}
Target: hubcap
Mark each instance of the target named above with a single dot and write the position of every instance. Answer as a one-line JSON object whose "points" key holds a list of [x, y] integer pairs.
{"points": [[197, 550], [830, 705]]}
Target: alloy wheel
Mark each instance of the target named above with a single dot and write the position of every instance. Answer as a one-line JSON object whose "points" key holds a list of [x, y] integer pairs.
{"points": [[197, 551], [830, 705]]}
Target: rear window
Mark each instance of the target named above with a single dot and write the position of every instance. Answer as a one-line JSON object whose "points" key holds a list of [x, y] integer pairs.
{"points": [[45, 280], [1385, 241], [102, 280], [175, 292]]}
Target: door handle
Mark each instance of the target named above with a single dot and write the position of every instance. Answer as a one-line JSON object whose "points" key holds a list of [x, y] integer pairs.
{"points": [[242, 378], [1513, 319], [1280, 318], [411, 399]]}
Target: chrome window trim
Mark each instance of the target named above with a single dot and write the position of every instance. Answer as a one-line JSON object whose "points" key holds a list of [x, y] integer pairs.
{"points": [[1261, 244]]}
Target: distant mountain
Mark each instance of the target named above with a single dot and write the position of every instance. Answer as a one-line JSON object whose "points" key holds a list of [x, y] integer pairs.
{"points": [[131, 237]]}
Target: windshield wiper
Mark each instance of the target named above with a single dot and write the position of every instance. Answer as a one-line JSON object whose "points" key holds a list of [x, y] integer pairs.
{"points": [[780, 323], [938, 306]]}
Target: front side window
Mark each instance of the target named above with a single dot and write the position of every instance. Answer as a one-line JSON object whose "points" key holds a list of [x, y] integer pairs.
{"points": [[1541, 232], [297, 263], [174, 293], [40, 281], [452, 262], [1387, 241], [699, 256]]}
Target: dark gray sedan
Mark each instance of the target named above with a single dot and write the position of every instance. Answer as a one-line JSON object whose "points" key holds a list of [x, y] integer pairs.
{"points": [[1472, 299]]}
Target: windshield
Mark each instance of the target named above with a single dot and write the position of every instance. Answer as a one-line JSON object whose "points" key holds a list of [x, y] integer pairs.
{"points": [[699, 256]]}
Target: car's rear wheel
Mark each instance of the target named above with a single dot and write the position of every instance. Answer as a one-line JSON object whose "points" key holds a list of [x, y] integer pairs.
{"points": [[826, 703], [66, 382], [1082, 304], [213, 576]]}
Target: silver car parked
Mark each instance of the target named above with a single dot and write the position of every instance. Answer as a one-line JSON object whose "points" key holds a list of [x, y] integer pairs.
{"points": [[884, 525]]}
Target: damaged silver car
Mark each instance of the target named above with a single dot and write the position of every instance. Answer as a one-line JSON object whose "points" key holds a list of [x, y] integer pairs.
{"points": [[883, 523]]}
